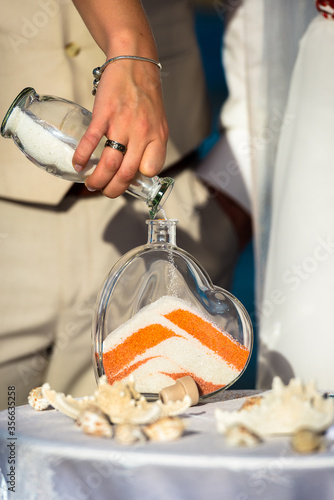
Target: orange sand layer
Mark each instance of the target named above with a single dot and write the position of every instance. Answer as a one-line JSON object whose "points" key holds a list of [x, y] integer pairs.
{"points": [[123, 354], [204, 386], [222, 344], [119, 361]]}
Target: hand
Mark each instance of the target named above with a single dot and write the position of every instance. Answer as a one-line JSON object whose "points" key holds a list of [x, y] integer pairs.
{"points": [[128, 109]]}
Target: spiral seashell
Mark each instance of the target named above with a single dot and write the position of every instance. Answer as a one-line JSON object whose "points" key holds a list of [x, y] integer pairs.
{"points": [[37, 400], [129, 434], [239, 435], [165, 429], [94, 422]]}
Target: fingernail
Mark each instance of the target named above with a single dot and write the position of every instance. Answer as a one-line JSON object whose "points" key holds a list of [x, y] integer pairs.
{"points": [[78, 168], [90, 189]]}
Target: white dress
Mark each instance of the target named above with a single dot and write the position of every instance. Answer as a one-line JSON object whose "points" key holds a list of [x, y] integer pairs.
{"points": [[296, 328]]}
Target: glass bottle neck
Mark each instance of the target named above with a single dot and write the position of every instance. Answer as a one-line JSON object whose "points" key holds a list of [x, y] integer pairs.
{"points": [[25, 97], [162, 231]]}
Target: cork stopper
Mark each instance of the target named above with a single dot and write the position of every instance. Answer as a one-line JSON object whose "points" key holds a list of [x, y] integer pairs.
{"points": [[176, 392]]}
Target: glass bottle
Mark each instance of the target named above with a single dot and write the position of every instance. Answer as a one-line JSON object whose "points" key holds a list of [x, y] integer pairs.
{"points": [[159, 317], [48, 129]]}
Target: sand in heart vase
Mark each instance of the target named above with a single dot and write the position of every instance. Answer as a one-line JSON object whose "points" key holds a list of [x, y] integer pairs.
{"points": [[159, 318]]}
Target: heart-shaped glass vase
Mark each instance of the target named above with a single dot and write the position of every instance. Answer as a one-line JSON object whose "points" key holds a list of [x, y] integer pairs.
{"points": [[159, 318]]}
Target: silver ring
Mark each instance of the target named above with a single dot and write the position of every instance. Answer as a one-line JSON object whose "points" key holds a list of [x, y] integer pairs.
{"points": [[116, 145]]}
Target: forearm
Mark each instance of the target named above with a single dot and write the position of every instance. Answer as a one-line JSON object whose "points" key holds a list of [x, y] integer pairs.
{"points": [[119, 27], [128, 105]]}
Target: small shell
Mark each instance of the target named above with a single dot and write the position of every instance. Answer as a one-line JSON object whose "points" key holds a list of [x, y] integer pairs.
{"points": [[173, 408], [238, 435], [165, 429], [307, 441], [128, 434], [37, 400], [92, 421]]}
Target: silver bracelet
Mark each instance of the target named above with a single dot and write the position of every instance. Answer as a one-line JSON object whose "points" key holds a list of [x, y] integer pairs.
{"points": [[97, 72]]}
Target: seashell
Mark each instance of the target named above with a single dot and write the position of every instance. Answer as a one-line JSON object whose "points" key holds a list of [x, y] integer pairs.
{"points": [[307, 441], [37, 400], [238, 435], [165, 429], [142, 416], [130, 384], [330, 434], [94, 422], [129, 434], [65, 404], [123, 404], [119, 403], [283, 410], [173, 408], [118, 395]]}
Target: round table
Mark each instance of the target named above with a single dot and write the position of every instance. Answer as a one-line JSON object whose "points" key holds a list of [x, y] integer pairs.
{"points": [[52, 459]]}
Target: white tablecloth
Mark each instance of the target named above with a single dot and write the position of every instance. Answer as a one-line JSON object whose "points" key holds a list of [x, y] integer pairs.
{"points": [[55, 460]]}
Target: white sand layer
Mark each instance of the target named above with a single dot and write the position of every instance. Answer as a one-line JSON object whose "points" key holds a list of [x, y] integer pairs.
{"points": [[177, 355], [154, 314], [181, 353]]}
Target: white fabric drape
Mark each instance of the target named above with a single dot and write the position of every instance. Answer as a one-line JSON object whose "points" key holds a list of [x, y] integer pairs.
{"points": [[296, 313], [272, 33], [57, 461]]}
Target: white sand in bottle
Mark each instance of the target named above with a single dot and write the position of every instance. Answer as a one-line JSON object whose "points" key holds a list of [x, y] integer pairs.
{"points": [[46, 145]]}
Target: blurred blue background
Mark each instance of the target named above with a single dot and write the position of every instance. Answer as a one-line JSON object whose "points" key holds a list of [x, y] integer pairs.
{"points": [[210, 27]]}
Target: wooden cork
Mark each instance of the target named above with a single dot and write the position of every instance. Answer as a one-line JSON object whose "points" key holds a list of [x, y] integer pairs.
{"points": [[176, 392]]}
